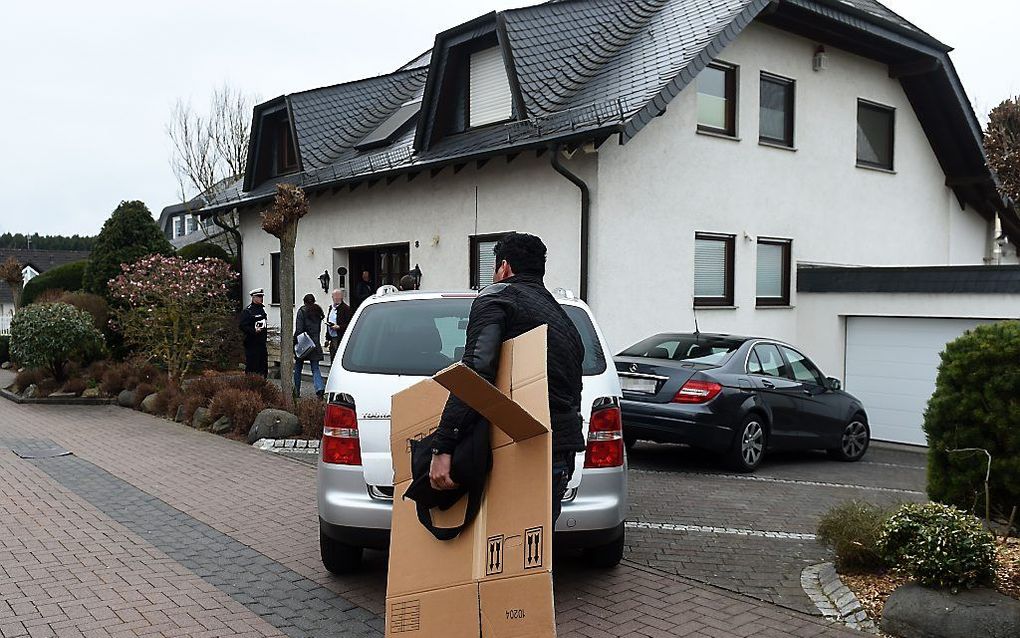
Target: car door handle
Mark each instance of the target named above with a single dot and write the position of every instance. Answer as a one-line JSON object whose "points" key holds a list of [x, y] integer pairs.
{"points": [[768, 384]]}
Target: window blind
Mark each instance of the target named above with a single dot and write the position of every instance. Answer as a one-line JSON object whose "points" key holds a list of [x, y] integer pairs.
{"points": [[489, 89], [486, 260], [709, 267], [770, 270]]}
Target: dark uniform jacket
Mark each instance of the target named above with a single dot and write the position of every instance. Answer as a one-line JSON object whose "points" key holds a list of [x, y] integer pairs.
{"points": [[506, 310], [249, 316], [310, 321]]}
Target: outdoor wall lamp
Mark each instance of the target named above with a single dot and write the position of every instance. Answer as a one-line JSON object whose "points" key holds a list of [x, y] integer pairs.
{"points": [[324, 280]]}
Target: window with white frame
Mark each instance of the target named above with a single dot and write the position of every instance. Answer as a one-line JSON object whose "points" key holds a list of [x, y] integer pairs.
{"points": [[178, 227], [773, 272], [192, 224], [489, 96], [713, 269]]}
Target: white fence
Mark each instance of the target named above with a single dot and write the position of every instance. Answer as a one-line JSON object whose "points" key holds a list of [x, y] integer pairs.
{"points": [[5, 325]]}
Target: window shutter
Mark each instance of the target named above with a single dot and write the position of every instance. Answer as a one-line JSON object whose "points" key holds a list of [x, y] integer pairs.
{"points": [[489, 89], [709, 268], [486, 260], [770, 270]]}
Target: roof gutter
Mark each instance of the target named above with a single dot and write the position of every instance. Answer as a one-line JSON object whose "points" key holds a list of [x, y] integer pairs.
{"points": [[585, 214]]}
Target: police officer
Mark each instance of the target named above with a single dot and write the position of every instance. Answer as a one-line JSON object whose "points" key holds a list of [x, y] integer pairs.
{"points": [[515, 304], [253, 325]]}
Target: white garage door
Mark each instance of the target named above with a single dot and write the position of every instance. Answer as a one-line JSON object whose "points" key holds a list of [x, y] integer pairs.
{"points": [[891, 365]]}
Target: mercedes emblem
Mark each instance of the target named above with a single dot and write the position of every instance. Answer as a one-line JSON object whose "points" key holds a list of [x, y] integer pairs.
{"points": [[633, 367]]}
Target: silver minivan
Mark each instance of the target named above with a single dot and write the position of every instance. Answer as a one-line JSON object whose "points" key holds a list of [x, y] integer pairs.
{"points": [[394, 341]]}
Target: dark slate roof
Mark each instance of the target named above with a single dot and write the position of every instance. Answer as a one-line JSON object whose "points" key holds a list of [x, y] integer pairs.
{"points": [[909, 279], [582, 70], [40, 260]]}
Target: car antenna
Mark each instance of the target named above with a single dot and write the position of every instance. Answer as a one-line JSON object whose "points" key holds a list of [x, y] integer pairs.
{"points": [[697, 331]]}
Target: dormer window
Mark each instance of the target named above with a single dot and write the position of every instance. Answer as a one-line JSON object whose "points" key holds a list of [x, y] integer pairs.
{"points": [[286, 158], [489, 96]]}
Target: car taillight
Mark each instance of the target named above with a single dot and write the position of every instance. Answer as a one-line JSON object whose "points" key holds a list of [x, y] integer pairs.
{"points": [[697, 392], [340, 444], [605, 439]]}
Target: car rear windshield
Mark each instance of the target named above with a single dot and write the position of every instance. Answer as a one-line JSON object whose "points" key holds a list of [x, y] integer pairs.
{"points": [[685, 347], [421, 337]]}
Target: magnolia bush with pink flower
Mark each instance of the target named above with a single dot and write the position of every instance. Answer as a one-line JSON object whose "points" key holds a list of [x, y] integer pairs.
{"points": [[176, 313]]}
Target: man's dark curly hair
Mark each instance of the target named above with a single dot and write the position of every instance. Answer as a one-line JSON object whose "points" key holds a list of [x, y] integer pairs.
{"points": [[525, 253]]}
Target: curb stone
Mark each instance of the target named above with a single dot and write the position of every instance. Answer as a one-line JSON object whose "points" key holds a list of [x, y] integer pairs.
{"points": [[834, 599], [291, 446]]}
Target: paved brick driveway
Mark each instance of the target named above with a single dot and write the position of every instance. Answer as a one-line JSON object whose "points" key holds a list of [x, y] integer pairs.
{"points": [[150, 528]]}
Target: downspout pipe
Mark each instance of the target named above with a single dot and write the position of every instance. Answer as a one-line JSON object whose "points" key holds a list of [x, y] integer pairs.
{"points": [[585, 215]]}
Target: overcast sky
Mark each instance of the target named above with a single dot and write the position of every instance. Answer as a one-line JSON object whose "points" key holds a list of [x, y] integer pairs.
{"points": [[88, 86]]}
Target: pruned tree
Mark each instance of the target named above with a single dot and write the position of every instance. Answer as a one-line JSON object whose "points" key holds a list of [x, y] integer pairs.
{"points": [[210, 150], [281, 221], [1002, 145], [12, 274]]}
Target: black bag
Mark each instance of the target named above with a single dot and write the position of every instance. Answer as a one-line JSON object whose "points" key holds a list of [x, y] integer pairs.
{"points": [[469, 469]]}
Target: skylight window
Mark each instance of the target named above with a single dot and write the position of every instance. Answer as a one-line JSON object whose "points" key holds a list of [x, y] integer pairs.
{"points": [[489, 97], [391, 127]]}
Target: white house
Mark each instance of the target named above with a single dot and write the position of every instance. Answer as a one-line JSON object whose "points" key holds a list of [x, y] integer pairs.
{"points": [[744, 163], [34, 263]]}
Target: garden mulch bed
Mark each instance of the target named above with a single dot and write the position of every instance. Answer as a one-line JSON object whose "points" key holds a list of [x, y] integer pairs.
{"points": [[874, 589]]}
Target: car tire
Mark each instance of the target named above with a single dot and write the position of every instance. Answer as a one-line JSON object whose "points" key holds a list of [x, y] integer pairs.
{"points": [[854, 441], [606, 556], [748, 449], [339, 558]]}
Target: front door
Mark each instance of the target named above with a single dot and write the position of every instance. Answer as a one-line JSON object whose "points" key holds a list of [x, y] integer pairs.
{"points": [[384, 265]]}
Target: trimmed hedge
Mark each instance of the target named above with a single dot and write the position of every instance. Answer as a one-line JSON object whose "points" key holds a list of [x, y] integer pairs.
{"points": [[128, 235], [976, 404], [191, 252], [67, 277]]}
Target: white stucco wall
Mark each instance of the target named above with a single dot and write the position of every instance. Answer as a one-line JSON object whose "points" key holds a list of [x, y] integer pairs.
{"points": [[670, 182], [525, 195], [821, 317]]}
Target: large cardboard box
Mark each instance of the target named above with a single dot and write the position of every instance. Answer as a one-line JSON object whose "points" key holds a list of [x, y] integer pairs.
{"points": [[494, 580]]}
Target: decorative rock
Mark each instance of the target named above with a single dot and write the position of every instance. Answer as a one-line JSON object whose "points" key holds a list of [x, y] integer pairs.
{"points": [[273, 424], [6, 365], [90, 393], [30, 392], [126, 399], [179, 417], [222, 425], [200, 420], [913, 611], [149, 403]]}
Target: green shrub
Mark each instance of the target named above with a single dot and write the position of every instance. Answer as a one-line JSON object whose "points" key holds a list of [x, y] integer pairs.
{"points": [[976, 404], [852, 530], [128, 235], [64, 278], [5, 349], [191, 252], [939, 545], [52, 336]]}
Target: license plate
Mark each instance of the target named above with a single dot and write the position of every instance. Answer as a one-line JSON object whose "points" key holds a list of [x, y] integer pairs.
{"points": [[644, 386]]}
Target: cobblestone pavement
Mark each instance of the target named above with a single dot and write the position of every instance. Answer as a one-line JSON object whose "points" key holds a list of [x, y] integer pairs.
{"points": [[150, 528]]}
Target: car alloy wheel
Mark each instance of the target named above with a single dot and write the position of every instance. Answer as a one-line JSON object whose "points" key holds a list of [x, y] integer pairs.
{"points": [[752, 443], [855, 439]]}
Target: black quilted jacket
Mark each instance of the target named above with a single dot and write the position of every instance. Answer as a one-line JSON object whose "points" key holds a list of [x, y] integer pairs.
{"points": [[506, 310]]}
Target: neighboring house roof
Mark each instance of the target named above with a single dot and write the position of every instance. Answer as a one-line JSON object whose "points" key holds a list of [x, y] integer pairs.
{"points": [[191, 206], [39, 260], [582, 70]]}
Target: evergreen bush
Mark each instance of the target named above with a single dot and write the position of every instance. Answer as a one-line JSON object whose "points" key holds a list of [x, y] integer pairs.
{"points": [[53, 335], [68, 277], [976, 404], [128, 235]]}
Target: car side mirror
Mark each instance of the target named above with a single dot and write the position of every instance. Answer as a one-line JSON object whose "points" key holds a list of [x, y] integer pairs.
{"points": [[833, 384]]}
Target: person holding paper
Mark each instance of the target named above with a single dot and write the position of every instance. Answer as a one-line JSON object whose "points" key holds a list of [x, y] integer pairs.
{"points": [[515, 303], [309, 322]]}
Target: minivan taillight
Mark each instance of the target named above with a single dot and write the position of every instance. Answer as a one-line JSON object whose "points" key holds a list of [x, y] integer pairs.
{"points": [[340, 444], [697, 392], [605, 439]]}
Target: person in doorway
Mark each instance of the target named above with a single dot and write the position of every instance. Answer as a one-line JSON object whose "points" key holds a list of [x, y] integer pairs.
{"points": [[253, 324], [517, 302], [364, 288], [338, 317], [309, 321]]}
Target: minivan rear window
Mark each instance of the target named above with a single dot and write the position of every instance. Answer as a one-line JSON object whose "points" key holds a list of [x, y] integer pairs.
{"points": [[421, 337], [685, 347]]}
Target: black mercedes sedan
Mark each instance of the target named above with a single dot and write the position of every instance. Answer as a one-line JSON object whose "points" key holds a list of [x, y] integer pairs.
{"points": [[738, 396]]}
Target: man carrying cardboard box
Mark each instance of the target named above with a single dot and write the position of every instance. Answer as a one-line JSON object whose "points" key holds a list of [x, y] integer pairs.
{"points": [[515, 303]]}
